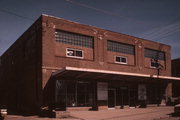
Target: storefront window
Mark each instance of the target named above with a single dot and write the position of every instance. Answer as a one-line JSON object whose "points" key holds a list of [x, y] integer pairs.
{"points": [[74, 93], [71, 94]]}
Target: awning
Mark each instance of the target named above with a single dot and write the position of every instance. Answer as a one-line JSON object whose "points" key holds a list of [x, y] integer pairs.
{"points": [[78, 73]]}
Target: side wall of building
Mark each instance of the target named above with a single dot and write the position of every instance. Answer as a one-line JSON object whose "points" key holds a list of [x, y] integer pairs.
{"points": [[19, 76], [176, 73]]}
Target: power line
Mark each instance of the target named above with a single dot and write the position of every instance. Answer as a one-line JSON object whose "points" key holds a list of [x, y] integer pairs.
{"points": [[167, 33], [162, 30], [15, 14], [162, 37], [103, 11], [94, 8], [153, 34]]}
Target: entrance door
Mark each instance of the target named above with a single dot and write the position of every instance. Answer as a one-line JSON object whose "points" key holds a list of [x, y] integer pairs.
{"points": [[132, 97], [111, 98], [81, 94]]}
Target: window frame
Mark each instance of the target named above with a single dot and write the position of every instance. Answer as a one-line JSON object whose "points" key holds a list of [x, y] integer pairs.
{"points": [[157, 52], [124, 63], [75, 53], [119, 47], [68, 38]]}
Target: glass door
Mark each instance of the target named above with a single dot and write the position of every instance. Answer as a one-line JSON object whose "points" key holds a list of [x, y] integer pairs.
{"points": [[111, 98]]}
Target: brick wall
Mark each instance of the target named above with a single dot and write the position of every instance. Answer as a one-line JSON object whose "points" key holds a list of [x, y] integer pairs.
{"points": [[19, 72], [99, 57]]}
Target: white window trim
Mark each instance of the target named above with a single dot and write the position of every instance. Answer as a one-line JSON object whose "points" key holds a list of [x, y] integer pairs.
{"points": [[75, 56], [121, 62]]}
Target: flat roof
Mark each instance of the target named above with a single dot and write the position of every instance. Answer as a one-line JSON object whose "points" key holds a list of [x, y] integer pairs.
{"points": [[51, 16], [75, 69]]}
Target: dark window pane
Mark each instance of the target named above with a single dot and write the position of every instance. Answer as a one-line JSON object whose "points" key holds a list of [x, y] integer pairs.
{"points": [[118, 59], [123, 60], [79, 53], [154, 64], [71, 94], [60, 97], [154, 54]]}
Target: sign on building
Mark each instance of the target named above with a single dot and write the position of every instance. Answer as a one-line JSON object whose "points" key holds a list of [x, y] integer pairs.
{"points": [[102, 89], [142, 92]]}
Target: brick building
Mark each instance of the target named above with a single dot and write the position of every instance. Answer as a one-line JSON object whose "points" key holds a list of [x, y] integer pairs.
{"points": [[66, 65], [176, 73]]}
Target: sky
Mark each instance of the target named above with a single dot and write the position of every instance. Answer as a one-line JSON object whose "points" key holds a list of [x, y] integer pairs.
{"points": [[156, 20]]}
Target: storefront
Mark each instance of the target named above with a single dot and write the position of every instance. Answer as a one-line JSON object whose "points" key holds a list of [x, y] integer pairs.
{"points": [[76, 87]]}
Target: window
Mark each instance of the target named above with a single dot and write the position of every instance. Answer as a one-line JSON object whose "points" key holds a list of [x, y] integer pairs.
{"points": [[73, 94], [154, 64], [120, 47], [154, 54], [74, 39], [121, 60], [74, 53]]}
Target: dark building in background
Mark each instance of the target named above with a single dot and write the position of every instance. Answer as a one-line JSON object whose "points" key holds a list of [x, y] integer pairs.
{"points": [[67, 65], [176, 73]]}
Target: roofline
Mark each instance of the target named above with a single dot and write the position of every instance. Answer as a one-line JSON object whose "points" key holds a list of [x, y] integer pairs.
{"points": [[114, 72], [103, 29], [175, 59]]}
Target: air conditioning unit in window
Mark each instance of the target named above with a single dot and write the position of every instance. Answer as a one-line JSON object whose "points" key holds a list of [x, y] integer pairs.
{"points": [[70, 53]]}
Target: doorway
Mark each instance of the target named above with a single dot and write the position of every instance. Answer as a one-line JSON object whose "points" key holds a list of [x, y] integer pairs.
{"points": [[111, 98], [132, 97]]}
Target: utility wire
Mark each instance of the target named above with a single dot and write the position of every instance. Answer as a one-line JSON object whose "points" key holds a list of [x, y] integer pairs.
{"points": [[162, 30], [103, 11], [94, 8], [152, 34], [166, 33], [15, 14], [156, 33]]}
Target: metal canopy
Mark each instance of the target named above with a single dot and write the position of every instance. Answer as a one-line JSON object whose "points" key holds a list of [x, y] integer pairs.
{"points": [[79, 73]]}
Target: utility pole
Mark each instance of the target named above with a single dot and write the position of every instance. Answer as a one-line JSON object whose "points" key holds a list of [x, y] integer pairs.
{"points": [[159, 68]]}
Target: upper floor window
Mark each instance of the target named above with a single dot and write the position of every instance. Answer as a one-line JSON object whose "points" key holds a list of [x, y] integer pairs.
{"points": [[74, 53], [121, 60], [154, 54], [156, 64], [120, 47], [74, 39]]}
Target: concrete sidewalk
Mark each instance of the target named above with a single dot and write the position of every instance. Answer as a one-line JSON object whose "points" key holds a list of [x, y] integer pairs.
{"points": [[150, 113]]}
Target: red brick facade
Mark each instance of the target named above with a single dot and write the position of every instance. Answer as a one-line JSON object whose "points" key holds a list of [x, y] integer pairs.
{"points": [[27, 66]]}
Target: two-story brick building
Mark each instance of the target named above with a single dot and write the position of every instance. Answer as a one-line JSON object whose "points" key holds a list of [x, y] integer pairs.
{"points": [[65, 64]]}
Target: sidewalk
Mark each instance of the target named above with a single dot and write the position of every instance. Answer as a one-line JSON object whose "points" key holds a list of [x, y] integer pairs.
{"points": [[150, 113]]}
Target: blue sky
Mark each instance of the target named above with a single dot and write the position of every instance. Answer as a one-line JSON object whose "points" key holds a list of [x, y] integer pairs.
{"points": [[156, 20]]}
